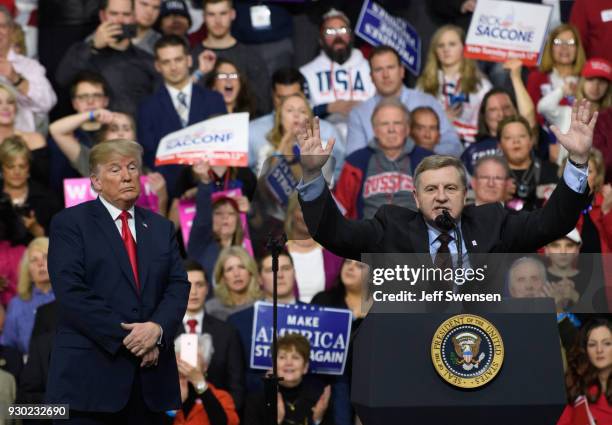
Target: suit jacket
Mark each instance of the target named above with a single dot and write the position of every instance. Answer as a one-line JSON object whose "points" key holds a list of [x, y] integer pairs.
{"points": [[157, 117], [33, 378], [46, 319], [487, 228], [226, 368], [95, 289]]}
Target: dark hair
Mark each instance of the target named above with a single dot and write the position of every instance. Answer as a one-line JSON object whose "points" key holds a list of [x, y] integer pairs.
{"points": [[287, 76], [104, 4], [90, 77], [171, 40], [207, 2], [191, 265], [296, 341], [421, 109], [483, 131], [382, 49], [510, 120], [245, 102], [581, 375], [283, 252]]}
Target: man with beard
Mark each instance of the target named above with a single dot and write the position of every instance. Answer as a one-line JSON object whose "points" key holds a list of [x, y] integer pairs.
{"points": [[339, 78]]}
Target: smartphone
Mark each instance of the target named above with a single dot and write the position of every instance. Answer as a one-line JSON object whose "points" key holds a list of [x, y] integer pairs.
{"points": [[189, 349], [128, 31]]}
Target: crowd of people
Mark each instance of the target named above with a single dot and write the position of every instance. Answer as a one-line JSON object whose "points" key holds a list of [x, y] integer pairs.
{"points": [[141, 69]]}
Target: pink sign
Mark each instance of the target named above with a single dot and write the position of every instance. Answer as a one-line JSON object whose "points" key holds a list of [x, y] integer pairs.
{"points": [[187, 212], [77, 191]]}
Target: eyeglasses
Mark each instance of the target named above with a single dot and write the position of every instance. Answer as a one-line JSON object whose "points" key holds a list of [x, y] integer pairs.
{"points": [[494, 179], [89, 96], [226, 76], [560, 42], [336, 31]]}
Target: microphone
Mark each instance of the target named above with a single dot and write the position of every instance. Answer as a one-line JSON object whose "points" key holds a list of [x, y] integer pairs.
{"points": [[444, 221]]}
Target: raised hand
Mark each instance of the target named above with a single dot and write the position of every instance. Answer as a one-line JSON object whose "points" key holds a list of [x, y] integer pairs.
{"points": [[579, 138], [312, 154], [318, 411]]}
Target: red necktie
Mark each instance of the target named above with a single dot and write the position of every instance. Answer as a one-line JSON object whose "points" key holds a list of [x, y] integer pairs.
{"points": [[192, 323], [130, 245]]}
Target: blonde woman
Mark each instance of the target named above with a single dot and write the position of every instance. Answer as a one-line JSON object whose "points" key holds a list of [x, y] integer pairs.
{"points": [[33, 290], [236, 283], [454, 80], [562, 61], [293, 110], [35, 142]]}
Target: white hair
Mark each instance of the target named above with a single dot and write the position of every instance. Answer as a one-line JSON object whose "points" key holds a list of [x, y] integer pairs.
{"points": [[205, 347]]}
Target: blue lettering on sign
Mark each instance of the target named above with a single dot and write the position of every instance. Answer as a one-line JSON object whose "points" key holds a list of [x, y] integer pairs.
{"points": [[505, 33], [202, 140]]}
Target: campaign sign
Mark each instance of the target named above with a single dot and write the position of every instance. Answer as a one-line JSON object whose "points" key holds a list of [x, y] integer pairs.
{"points": [[503, 30], [281, 182], [327, 329], [378, 27], [77, 191], [187, 211], [222, 140]]}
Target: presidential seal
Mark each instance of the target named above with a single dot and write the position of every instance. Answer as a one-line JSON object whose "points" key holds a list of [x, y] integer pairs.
{"points": [[467, 351]]}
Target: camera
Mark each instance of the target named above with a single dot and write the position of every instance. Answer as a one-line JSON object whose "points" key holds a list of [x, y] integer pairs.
{"points": [[23, 210], [128, 31]]}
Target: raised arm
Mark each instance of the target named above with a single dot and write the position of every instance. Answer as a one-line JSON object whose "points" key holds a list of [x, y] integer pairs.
{"points": [[63, 130]]}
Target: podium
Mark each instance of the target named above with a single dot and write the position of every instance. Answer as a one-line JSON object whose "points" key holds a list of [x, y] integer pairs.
{"points": [[394, 380]]}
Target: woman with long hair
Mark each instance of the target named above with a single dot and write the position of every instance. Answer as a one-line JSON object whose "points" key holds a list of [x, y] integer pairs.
{"points": [[231, 82], [236, 283], [562, 60], [216, 224], [33, 290], [454, 80], [588, 373]]}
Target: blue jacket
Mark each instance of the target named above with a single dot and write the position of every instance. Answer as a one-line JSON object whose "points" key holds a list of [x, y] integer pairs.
{"points": [[157, 118], [95, 290]]}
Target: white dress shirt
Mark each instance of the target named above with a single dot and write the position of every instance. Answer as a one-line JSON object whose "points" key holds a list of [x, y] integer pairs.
{"points": [[116, 212], [199, 317], [177, 106]]}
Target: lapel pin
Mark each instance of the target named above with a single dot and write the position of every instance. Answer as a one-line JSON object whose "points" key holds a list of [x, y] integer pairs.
{"points": [[145, 225], [474, 243]]}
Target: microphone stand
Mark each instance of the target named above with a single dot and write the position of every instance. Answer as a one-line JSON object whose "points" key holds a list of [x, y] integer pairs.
{"points": [[275, 247]]}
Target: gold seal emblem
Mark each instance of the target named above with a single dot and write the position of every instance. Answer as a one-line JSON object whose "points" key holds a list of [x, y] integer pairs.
{"points": [[467, 351]]}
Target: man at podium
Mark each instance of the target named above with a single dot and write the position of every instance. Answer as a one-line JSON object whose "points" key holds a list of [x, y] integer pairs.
{"points": [[440, 192]]}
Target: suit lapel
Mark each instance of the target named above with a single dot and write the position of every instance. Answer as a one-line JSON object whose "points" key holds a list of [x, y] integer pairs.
{"points": [[169, 109], [418, 235], [143, 247], [105, 222], [194, 105]]}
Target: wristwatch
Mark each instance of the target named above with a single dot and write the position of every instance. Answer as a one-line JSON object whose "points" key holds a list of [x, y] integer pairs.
{"points": [[201, 386], [578, 165]]}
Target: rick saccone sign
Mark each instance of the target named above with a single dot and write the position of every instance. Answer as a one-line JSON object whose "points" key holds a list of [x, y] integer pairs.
{"points": [[222, 140], [502, 30]]}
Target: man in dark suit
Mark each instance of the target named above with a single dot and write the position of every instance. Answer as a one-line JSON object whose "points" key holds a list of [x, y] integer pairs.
{"points": [[121, 291], [178, 103], [440, 185], [226, 368]]}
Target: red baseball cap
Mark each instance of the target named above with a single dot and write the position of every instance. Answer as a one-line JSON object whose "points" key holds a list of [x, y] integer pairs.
{"points": [[597, 67]]}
